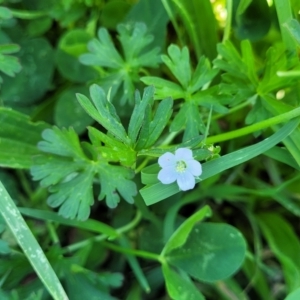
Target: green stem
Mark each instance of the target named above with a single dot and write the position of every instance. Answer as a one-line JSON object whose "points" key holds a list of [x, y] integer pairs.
{"points": [[140, 253], [233, 109], [285, 184], [208, 125], [54, 237], [24, 183], [103, 237], [142, 165], [255, 127], [227, 29], [27, 15]]}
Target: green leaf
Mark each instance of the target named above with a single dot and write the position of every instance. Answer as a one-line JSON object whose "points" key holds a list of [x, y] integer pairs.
{"points": [[30, 246], [251, 19], [68, 112], [295, 295], [212, 252], [181, 235], [63, 142], [284, 243], [160, 120], [144, 133], [113, 151], [293, 27], [116, 178], [74, 42], [153, 14], [291, 142], [9, 65], [178, 62], [112, 12], [103, 112], [4, 248], [190, 118], [282, 155], [164, 88], [45, 169], [84, 284], [9, 48], [180, 286], [122, 71], [133, 41], [285, 15], [203, 75], [5, 13], [70, 46], [69, 174], [18, 139], [37, 59], [103, 52], [75, 196], [158, 191], [138, 114]]}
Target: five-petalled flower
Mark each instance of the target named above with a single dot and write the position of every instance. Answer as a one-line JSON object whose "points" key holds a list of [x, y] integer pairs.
{"points": [[180, 167]]}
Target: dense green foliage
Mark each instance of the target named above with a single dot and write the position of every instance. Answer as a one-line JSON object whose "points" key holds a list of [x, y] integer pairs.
{"points": [[93, 93]]}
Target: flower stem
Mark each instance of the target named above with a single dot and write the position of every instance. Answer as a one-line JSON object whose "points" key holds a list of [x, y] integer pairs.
{"points": [[255, 127]]}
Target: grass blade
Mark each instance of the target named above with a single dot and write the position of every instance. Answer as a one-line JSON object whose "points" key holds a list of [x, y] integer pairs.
{"points": [[30, 246]]}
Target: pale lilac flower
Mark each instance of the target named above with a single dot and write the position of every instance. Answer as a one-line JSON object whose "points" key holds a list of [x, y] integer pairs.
{"points": [[180, 167]]}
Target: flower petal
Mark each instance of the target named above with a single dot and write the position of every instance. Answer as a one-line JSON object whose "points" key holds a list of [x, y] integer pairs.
{"points": [[166, 160], [167, 175], [185, 181], [183, 154], [194, 167]]}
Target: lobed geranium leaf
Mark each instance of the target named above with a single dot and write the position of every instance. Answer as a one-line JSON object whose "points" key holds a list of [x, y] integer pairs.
{"points": [[134, 40], [61, 142], [178, 62], [69, 174], [202, 75], [164, 88], [160, 120], [115, 179], [103, 52], [188, 118], [9, 65], [75, 196], [119, 70], [138, 114], [103, 112]]}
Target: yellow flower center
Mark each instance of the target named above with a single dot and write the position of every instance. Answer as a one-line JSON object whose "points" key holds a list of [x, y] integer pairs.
{"points": [[180, 166]]}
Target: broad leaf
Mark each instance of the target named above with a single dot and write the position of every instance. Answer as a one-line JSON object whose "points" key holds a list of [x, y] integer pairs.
{"points": [[212, 252]]}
